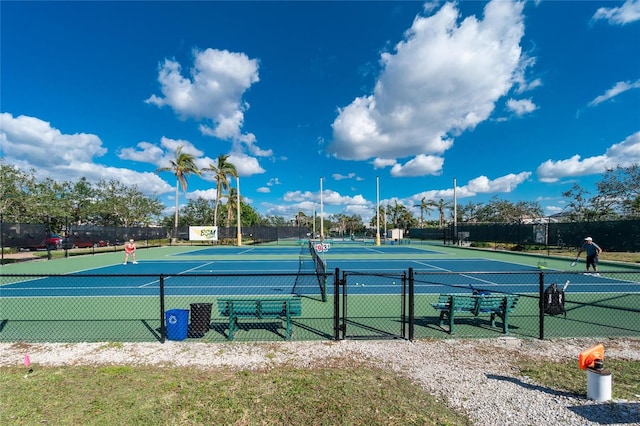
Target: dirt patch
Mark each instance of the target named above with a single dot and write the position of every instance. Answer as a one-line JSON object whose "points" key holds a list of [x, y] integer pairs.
{"points": [[21, 256]]}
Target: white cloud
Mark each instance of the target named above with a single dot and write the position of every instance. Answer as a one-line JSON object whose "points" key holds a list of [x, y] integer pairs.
{"points": [[35, 141], [381, 163], [213, 92], [420, 165], [146, 153], [479, 185], [263, 190], [522, 106], [162, 155], [338, 176], [329, 197], [621, 154], [32, 143], [505, 183], [245, 165], [618, 88], [627, 13], [207, 194], [443, 79]]}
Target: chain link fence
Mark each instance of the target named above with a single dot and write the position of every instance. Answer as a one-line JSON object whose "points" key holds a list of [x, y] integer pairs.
{"points": [[272, 307], [620, 235]]}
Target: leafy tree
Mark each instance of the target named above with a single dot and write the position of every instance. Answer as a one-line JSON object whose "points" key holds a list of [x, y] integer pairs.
{"points": [[13, 192], [619, 191], [221, 171], [272, 220], [503, 211], [47, 202], [580, 206], [467, 212], [117, 204], [197, 212], [182, 166], [250, 217], [83, 198]]}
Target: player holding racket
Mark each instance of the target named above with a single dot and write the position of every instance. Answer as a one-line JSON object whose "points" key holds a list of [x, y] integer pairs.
{"points": [[130, 250], [592, 250]]}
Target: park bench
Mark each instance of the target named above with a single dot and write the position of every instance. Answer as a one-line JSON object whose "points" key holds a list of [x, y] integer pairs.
{"points": [[496, 305], [260, 308]]}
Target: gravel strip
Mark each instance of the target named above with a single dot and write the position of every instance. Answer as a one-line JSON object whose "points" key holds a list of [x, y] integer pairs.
{"points": [[474, 376]]}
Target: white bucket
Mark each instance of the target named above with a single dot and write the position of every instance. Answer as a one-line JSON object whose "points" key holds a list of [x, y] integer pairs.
{"points": [[598, 384]]}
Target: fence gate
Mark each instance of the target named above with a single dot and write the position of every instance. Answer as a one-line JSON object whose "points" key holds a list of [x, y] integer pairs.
{"points": [[372, 306]]}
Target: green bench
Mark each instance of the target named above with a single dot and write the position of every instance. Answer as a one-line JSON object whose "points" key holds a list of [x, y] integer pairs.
{"points": [[496, 305], [260, 308]]}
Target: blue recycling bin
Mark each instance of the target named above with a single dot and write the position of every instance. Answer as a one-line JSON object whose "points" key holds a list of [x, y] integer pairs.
{"points": [[177, 322]]}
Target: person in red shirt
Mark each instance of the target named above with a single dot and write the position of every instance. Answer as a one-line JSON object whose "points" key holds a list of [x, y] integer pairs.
{"points": [[130, 250]]}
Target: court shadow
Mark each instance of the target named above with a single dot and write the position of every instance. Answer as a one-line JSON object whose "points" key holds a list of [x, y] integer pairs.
{"points": [[155, 332], [372, 332], [315, 331], [3, 324], [248, 326], [433, 323]]}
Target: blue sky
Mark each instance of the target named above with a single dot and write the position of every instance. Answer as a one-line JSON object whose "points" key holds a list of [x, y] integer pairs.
{"points": [[510, 99]]}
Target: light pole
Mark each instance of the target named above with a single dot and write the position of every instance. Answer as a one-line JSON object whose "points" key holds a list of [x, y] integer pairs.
{"points": [[377, 211], [239, 235], [321, 214]]}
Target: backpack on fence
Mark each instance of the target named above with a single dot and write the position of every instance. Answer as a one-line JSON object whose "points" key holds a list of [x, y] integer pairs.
{"points": [[553, 303]]}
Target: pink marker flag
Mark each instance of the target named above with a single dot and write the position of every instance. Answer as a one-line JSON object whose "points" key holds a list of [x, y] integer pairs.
{"points": [[27, 361]]}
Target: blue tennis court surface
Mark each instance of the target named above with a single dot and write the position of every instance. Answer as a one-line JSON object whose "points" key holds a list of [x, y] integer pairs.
{"points": [[270, 277]]}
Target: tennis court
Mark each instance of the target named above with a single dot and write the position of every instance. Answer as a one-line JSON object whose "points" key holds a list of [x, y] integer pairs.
{"points": [[96, 298]]}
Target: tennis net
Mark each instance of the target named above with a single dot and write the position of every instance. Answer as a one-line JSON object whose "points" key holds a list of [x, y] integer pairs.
{"points": [[321, 270]]}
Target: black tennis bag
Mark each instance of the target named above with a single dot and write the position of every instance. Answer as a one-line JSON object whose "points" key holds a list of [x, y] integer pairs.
{"points": [[553, 303]]}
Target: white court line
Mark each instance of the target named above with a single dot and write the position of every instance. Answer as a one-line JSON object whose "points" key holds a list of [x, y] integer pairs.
{"points": [[461, 274], [183, 272]]}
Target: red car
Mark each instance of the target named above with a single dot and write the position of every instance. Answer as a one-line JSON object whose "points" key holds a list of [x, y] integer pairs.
{"points": [[79, 242], [51, 242]]}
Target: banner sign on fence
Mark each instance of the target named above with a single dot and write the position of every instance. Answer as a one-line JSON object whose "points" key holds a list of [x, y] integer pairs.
{"points": [[203, 233]]}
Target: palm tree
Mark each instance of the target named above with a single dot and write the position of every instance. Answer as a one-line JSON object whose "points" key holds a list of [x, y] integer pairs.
{"points": [[442, 205], [232, 205], [301, 218], [221, 171], [425, 207], [183, 165]]}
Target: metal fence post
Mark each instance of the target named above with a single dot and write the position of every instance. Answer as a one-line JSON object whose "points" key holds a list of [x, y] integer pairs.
{"points": [[541, 306], [163, 329], [411, 304], [336, 304]]}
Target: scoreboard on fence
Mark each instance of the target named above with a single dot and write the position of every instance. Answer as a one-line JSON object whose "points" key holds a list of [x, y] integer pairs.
{"points": [[322, 247]]}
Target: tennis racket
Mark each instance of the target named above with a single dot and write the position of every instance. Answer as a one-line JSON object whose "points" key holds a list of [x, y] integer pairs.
{"points": [[566, 284], [575, 262]]}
